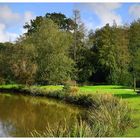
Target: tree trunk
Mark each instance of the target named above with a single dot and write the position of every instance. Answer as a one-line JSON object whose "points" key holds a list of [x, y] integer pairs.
{"points": [[134, 83]]}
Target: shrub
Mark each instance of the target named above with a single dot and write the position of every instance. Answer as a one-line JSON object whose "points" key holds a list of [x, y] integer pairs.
{"points": [[2, 81], [71, 83], [74, 89], [70, 89], [66, 88]]}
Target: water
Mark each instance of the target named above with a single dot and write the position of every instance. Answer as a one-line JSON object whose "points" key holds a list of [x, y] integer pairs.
{"points": [[20, 115]]}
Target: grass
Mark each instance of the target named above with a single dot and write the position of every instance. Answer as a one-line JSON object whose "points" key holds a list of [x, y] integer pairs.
{"points": [[9, 86], [125, 93], [76, 129], [51, 87]]}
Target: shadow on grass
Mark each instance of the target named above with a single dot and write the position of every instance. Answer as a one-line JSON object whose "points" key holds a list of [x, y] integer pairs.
{"points": [[127, 95]]}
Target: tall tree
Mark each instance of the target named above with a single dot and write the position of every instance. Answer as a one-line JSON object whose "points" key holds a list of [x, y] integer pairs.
{"points": [[110, 53], [52, 45], [137, 67], [134, 46], [80, 52]]}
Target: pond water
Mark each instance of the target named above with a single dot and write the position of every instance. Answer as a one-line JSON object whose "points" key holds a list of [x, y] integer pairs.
{"points": [[20, 115]]}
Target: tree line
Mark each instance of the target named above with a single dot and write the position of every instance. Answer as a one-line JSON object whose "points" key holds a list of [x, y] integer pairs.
{"points": [[57, 49]]}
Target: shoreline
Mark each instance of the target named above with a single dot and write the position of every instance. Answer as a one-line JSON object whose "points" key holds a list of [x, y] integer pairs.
{"points": [[80, 100]]}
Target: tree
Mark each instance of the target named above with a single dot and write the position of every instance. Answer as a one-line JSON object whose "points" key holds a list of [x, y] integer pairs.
{"points": [[79, 51], [122, 57], [6, 51], [134, 46], [52, 45], [23, 64], [78, 34], [111, 55], [136, 67], [104, 54], [32, 26], [60, 19]]}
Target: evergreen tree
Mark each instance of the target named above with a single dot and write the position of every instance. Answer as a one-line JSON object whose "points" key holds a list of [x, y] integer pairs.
{"points": [[134, 46]]}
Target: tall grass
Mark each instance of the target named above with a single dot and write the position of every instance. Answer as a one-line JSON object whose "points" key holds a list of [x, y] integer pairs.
{"points": [[111, 118], [77, 129]]}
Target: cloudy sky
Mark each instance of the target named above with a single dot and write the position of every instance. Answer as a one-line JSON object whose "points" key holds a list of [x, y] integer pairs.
{"points": [[14, 15]]}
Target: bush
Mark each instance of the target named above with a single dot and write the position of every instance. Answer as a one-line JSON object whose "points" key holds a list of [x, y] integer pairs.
{"points": [[70, 89], [2, 81], [66, 88], [71, 83], [74, 89]]}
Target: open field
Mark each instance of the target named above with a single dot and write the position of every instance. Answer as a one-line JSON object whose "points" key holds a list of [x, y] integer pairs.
{"points": [[125, 93]]}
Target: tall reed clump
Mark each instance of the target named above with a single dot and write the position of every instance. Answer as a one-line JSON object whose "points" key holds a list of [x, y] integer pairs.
{"points": [[110, 117]]}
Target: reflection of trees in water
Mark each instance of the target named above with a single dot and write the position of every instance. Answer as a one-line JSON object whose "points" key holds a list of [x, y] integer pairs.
{"points": [[19, 114]]}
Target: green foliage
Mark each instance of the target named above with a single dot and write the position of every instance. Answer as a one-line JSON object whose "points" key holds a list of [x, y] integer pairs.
{"points": [[51, 44], [137, 62], [134, 47], [23, 65], [66, 88], [6, 51], [60, 19], [56, 49], [41, 57], [110, 48]]}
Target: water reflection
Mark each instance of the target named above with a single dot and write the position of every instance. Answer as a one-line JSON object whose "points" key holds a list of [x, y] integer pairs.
{"points": [[20, 115]]}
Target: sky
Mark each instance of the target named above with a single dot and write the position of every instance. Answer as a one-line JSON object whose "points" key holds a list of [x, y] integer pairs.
{"points": [[13, 16]]}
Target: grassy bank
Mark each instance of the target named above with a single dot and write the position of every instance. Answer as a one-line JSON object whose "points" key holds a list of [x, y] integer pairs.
{"points": [[127, 95], [84, 100], [86, 97]]}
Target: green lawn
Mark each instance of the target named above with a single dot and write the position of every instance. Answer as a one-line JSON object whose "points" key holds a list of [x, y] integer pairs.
{"points": [[125, 93]]}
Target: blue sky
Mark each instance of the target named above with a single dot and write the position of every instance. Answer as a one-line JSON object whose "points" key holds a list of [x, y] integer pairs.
{"points": [[14, 15]]}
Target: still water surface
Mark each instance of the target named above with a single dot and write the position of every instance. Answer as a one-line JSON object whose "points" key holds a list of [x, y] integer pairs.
{"points": [[20, 115]]}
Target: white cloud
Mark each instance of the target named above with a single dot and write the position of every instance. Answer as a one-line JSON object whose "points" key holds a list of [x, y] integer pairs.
{"points": [[89, 25], [6, 36], [134, 10], [10, 19], [28, 16], [2, 35], [106, 12]]}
